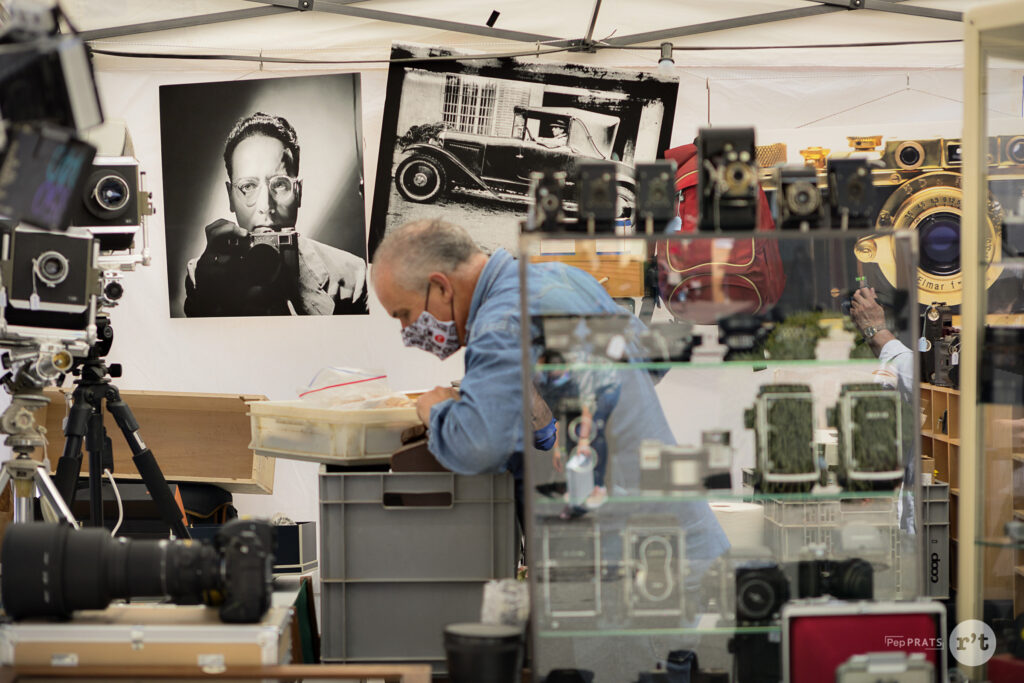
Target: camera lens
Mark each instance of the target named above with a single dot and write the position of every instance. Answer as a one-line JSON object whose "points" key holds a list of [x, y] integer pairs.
{"points": [[59, 570], [111, 192], [803, 198], [1015, 149], [939, 237], [51, 267]]}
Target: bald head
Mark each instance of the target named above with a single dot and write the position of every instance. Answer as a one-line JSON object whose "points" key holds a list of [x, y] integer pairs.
{"points": [[412, 252]]}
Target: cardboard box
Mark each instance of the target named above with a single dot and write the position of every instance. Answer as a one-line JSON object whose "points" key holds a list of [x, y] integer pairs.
{"points": [[194, 437], [150, 635]]}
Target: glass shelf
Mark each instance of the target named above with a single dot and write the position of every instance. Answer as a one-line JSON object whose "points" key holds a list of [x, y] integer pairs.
{"points": [[726, 495], [643, 632], [704, 363], [1001, 542]]}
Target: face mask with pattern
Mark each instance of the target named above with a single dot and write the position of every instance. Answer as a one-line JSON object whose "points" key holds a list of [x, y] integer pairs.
{"points": [[439, 337]]}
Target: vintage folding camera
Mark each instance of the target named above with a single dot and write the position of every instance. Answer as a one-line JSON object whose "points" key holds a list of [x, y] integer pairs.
{"points": [[547, 213], [112, 202], [49, 284], [851, 193], [782, 418], [797, 201], [869, 419], [727, 179]]}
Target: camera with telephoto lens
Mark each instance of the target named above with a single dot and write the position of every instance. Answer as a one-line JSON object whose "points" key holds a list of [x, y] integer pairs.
{"points": [[51, 570], [727, 179], [851, 579]]}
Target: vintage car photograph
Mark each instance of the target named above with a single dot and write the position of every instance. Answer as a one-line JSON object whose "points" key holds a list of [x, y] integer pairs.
{"points": [[439, 160], [460, 140]]}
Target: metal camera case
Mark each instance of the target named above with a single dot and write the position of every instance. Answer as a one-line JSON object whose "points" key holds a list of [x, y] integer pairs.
{"points": [[727, 179], [112, 204], [869, 420], [798, 202], [49, 285]]}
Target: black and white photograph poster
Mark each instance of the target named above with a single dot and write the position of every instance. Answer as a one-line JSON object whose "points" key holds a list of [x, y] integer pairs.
{"points": [[263, 197], [460, 137]]}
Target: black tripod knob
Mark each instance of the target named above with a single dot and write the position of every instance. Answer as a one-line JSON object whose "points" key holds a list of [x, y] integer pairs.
{"points": [[114, 369]]}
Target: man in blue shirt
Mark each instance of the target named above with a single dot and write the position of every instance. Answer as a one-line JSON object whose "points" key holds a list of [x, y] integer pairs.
{"points": [[447, 294]]}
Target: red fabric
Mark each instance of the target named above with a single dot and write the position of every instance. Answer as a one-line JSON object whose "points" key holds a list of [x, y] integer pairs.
{"points": [[1005, 669], [819, 644], [752, 278]]}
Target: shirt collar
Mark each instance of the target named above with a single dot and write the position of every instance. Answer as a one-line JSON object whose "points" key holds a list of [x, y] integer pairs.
{"points": [[495, 265]]}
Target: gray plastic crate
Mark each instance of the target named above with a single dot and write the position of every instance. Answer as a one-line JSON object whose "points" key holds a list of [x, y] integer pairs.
{"points": [[404, 555], [936, 560], [938, 490], [935, 512], [433, 526], [873, 511]]}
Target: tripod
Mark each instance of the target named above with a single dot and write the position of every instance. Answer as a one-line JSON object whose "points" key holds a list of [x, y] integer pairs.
{"points": [[23, 436], [85, 423]]}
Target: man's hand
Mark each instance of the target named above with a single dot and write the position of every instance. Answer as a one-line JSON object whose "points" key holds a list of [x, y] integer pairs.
{"points": [[427, 401], [865, 312], [224, 237], [350, 286]]}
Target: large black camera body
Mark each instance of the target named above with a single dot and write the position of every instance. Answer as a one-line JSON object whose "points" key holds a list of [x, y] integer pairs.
{"points": [[50, 284], [727, 179], [112, 203], [60, 570]]}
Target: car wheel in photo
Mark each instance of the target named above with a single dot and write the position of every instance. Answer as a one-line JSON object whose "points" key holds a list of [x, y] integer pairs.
{"points": [[420, 179]]}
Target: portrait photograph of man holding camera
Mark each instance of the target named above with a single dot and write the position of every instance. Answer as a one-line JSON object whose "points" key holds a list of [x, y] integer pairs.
{"points": [[254, 257]]}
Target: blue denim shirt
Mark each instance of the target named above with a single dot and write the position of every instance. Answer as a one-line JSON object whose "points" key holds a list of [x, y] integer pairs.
{"points": [[483, 431]]}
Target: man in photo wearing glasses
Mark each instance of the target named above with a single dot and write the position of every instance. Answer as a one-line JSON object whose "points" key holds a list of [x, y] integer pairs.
{"points": [[261, 265]]}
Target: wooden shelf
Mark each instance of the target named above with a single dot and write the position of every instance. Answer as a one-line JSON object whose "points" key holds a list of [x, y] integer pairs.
{"points": [[1018, 457]]}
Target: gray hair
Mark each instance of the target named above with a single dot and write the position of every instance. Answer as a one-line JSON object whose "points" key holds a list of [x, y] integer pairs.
{"points": [[417, 249]]}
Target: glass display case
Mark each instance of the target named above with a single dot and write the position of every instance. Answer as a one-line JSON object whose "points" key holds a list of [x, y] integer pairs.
{"points": [[991, 561], [743, 447]]}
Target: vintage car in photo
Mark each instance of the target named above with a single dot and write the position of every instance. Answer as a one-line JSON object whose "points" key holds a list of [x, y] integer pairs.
{"points": [[543, 138]]}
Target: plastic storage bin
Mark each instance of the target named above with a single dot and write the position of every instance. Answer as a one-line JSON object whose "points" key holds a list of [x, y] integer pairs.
{"points": [[405, 554], [299, 431]]}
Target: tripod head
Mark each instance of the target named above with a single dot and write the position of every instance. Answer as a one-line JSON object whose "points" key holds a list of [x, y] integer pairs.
{"points": [[92, 367]]}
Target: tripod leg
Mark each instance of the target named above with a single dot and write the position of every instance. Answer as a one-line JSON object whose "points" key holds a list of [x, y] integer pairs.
{"points": [[49, 492], [146, 463], [69, 467], [95, 442]]}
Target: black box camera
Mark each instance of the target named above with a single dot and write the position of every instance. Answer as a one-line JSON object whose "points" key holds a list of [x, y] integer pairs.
{"points": [[727, 179], [548, 211], [656, 192], [597, 195], [851, 193], [111, 204], [798, 202], [851, 579]]}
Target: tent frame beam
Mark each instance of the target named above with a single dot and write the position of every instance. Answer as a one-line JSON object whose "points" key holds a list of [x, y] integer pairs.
{"points": [[587, 43]]}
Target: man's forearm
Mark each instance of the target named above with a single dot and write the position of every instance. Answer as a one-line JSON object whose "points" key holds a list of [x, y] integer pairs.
{"points": [[880, 339]]}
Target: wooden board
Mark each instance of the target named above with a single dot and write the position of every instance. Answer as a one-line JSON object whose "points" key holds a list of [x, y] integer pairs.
{"points": [[194, 438], [625, 272]]}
